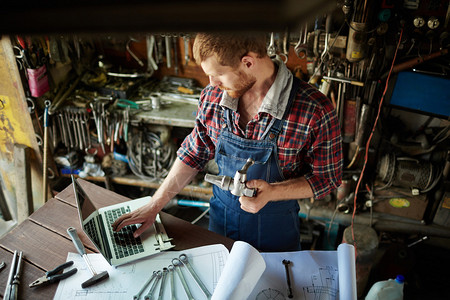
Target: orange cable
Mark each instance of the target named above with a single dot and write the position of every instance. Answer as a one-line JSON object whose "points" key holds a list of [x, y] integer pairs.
{"points": [[366, 157]]}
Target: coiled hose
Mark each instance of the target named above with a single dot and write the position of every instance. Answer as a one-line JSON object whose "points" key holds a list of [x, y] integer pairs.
{"points": [[148, 157]]}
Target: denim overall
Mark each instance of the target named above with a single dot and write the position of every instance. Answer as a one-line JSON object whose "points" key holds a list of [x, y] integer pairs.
{"points": [[276, 226]]}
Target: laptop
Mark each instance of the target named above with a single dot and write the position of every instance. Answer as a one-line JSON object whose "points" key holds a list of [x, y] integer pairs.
{"points": [[120, 247]]}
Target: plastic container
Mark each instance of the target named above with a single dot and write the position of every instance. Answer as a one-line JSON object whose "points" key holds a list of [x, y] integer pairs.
{"points": [[391, 289]]}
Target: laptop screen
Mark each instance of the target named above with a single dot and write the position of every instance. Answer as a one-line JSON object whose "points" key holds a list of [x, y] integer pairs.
{"points": [[85, 209], [85, 204]]}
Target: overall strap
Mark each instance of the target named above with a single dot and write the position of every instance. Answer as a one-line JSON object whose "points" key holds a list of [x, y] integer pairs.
{"points": [[276, 127]]}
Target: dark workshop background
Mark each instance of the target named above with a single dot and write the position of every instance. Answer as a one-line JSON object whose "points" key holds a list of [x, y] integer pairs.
{"points": [[107, 90]]}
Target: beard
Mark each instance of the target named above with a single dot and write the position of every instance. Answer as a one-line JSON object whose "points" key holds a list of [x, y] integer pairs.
{"points": [[246, 82]]}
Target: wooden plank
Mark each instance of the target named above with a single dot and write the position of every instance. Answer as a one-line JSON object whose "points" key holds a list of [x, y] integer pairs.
{"points": [[16, 124], [191, 190], [45, 248], [57, 216], [23, 179], [29, 274]]}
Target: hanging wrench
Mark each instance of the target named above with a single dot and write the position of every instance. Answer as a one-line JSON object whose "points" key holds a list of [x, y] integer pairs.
{"points": [[271, 50], [151, 63], [175, 54], [186, 49], [301, 47], [168, 51], [177, 265], [79, 130], [184, 259]]}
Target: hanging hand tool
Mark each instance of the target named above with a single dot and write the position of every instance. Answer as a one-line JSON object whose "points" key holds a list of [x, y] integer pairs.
{"points": [[96, 278], [186, 49], [301, 47], [271, 50], [175, 54], [327, 39], [151, 63], [132, 53], [12, 285], [236, 186], [44, 164], [54, 275], [168, 51]]}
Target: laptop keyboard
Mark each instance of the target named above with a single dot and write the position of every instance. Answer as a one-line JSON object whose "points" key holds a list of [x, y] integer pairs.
{"points": [[91, 229], [124, 243]]}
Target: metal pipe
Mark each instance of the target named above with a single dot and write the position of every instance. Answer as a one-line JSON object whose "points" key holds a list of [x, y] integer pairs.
{"points": [[393, 224]]}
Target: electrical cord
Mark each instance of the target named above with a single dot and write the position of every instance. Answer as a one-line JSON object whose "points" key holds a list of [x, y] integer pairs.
{"points": [[366, 157]]}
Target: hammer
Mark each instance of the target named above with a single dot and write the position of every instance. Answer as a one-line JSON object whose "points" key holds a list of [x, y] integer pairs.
{"points": [[96, 278]]}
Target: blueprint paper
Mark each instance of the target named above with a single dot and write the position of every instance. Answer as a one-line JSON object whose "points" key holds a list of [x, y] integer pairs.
{"points": [[313, 274], [324, 275], [242, 271], [125, 281], [347, 270]]}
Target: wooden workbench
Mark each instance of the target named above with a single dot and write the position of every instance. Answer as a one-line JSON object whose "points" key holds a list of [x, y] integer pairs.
{"points": [[45, 243]]}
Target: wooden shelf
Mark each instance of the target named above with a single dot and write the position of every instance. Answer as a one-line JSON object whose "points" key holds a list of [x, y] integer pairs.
{"points": [[193, 191], [174, 114]]}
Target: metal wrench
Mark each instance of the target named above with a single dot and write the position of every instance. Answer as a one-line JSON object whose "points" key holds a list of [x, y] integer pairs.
{"points": [[64, 137], [286, 264], [186, 49], [175, 54], [149, 296], [78, 129], [271, 50], [168, 51], [177, 265], [138, 295], [151, 63], [85, 120], [163, 282], [172, 282], [68, 127], [184, 259]]}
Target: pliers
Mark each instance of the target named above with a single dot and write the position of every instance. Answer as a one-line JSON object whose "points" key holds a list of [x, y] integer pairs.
{"points": [[54, 275]]}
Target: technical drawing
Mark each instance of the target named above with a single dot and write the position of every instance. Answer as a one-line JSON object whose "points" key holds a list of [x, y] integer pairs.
{"points": [[324, 285], [270, 294]]}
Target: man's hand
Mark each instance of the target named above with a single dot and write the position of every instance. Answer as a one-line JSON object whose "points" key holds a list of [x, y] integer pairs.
{"points": [[295, 188], [145, 215], [255, 204]]}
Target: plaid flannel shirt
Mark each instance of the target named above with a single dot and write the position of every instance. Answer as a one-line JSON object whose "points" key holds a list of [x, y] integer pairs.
{"points": [[309, 144]]}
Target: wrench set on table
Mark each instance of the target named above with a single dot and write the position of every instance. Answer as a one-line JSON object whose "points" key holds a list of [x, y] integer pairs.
{"points": [[178, 263]]}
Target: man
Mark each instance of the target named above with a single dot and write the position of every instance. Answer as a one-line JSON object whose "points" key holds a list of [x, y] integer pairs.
{"points": [[254, 108]]}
